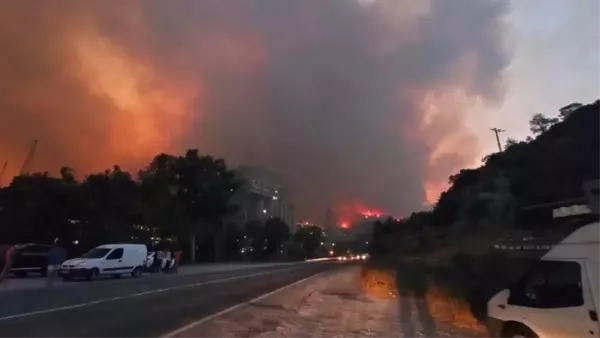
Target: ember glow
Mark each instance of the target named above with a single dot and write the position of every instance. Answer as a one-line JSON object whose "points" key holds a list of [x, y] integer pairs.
{"points": [[371, 213], [348, 100]]}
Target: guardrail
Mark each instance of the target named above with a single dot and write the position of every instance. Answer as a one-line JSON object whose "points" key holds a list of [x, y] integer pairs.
{"points": [[522, 247]]}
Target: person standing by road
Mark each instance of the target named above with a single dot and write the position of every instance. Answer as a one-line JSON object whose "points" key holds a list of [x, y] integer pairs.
{"points": [[56, 256], [6, 252], [9, 258], [177, 255]]}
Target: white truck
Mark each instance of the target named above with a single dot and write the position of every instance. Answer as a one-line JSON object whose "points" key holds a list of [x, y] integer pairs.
{"points": [[109, 259], [559, 295]]}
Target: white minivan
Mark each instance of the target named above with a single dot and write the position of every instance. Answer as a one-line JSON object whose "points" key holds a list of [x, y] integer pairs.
{"points": [[558, 297], [108, 259]]}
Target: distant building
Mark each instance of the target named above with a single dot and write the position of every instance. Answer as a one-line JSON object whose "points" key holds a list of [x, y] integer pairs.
{"points": [[262, 196]]}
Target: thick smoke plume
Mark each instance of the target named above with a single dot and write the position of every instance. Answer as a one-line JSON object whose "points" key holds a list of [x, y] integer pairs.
{"points": [[350, 100]]}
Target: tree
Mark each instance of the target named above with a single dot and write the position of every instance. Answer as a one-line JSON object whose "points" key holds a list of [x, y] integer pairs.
{"points": [[201, 187], [310, 237], [232, 240], [67, 174], [567, 110], [539, 123], [160, 207], [109, 206], [37, 208], [510, 142], [256, 236], [276, 233]]}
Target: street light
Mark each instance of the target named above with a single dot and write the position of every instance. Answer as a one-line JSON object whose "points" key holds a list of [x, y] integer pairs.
{"points": [[264, 211]]}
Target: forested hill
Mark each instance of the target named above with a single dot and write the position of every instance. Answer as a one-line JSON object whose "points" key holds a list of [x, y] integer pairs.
{"points": [[551, 165]]}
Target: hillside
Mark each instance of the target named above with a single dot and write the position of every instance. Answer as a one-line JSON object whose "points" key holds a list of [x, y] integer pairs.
{"points": [[487, 203]]}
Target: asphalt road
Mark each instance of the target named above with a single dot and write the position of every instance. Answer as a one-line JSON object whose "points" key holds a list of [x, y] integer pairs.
{"points": [[139, 307]]}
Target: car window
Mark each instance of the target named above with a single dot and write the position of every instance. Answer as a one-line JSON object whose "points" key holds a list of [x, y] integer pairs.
{"points": [[550, 284], [116, 254]]}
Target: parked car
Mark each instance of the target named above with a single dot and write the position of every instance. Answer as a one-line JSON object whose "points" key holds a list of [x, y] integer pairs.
{"points": [[109, 259], [31, 258]]}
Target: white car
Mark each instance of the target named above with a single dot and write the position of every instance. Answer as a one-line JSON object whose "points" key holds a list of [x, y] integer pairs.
{"points": [[109, 259]]}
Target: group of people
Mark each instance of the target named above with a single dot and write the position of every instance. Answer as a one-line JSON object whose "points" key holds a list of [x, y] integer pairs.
{"points": [[166, 260]]}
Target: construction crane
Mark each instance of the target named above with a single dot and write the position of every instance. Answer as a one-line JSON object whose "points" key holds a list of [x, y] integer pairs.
{"points": [[3, 171], [27, 164]]}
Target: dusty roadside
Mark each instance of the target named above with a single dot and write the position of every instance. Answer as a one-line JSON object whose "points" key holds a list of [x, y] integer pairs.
{"points": [[347, 302]]}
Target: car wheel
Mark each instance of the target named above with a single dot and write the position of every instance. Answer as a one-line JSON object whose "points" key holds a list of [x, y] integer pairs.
{"points": [[93, 274], [518, 331], [137, 272]]}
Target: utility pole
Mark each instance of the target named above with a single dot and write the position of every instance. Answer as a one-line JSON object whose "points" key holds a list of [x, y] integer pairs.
{"points": [[496, 131]]}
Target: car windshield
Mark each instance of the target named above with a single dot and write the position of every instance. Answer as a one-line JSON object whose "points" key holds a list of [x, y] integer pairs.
{"points": [[96, 253]]}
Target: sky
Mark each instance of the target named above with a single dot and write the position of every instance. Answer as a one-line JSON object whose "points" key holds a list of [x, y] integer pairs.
{"points": [[555, 61], [370, 103]]}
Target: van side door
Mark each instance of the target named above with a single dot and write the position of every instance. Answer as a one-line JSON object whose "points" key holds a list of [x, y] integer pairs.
{"points": [[553, 299], [113, 261]]}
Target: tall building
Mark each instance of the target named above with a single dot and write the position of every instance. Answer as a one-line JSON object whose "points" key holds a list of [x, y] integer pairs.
{"points": [[262, 196]]}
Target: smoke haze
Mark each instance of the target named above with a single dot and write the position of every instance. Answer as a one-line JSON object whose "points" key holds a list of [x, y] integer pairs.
{"points": [[349, 100]]}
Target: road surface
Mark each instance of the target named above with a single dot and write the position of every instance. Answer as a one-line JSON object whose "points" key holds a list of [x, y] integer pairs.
{"points": [[140, 307], [353, 301]]}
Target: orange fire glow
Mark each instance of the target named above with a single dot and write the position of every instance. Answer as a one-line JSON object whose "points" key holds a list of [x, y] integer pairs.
{"points": [[149, 112], [349, 212], [371, 213], [452, 145]]}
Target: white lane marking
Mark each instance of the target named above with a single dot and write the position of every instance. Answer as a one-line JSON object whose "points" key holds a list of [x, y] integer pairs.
{"points": [[139, 294], [320, 259], [237, 306]]}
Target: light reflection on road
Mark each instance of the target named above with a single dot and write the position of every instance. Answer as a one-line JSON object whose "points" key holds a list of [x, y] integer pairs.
{"points": [[450, 314]]}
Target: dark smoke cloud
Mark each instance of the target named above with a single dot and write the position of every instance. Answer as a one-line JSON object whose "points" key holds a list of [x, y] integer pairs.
{"points": [[350, 100]]}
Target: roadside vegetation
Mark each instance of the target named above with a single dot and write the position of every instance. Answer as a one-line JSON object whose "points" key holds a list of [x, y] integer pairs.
{"points": [[186, 200], [451, 247]]}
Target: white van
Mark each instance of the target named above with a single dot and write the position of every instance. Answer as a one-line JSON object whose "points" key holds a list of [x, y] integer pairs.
{"points": [[559, 295], [108, 259]]}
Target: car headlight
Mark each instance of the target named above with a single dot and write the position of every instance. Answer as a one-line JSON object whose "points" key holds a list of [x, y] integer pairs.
{"points": [[80, 264], [363, 257]]}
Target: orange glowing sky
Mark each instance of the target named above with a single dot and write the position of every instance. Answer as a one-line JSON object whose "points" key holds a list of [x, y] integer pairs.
{"points": [[370, 101]]}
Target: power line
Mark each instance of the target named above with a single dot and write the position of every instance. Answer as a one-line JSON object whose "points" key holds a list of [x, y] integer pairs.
{"points": [[497, 131]]}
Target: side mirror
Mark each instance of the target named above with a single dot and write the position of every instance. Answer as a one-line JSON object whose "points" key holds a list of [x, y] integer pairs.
{"points": [[503, 296]]}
